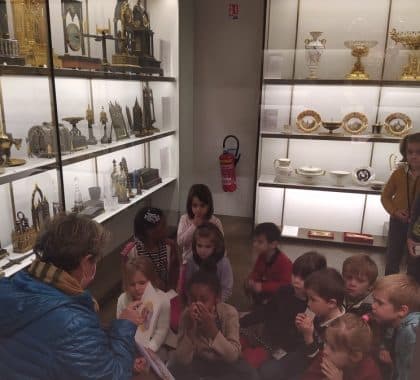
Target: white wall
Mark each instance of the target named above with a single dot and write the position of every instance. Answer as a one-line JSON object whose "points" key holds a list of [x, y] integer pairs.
{"points": [[226, 96]]}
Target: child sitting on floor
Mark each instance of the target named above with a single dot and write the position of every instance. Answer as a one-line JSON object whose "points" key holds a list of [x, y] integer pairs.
{"points": [[150, 240], [272, 268], [209, 253], [325, 293], [396, 303], [138, 272], [208, 339], [346, 352], [279, 333], [359, 273]]}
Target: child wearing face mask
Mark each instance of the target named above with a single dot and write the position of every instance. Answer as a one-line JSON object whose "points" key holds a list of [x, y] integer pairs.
{"points": [[209, 254], [138, 272], [208, 339], [346, 352]]}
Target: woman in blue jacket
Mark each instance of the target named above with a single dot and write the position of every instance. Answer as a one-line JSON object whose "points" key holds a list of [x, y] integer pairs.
{"points": [[49, 328]]}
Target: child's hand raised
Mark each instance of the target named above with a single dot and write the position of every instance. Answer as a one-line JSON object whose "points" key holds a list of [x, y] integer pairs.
{"points": [[305, 325], [330, 370], [206, 321]]}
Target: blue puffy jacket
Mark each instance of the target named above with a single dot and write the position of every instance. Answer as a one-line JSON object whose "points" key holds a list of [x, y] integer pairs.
{"points": [[46, 334]]}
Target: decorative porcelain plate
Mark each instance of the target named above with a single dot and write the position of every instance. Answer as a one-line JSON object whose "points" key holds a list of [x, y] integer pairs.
{"points": [[309, 171], [398, 124], [355, 122], [363, 175], [308, 121]]}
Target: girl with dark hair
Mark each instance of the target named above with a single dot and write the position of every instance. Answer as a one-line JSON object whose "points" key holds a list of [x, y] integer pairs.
{"points": [[208, 338], [199, 210], [150, 239], [209, 254]]}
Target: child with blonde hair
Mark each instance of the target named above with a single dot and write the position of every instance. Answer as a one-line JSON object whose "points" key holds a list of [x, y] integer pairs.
{"points": [[345, 356], [138, 272], [396, 304]]}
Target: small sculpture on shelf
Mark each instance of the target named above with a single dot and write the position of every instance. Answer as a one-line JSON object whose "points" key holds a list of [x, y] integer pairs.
{"points": [[129, 180], [23, 236], [114, 178], [122, 186], [94, 206], [103, 118], [149, 110], [90, 119], [118, 122], [78, 141], [40, 209], [313, 52], [6, 143], [137, 125]]}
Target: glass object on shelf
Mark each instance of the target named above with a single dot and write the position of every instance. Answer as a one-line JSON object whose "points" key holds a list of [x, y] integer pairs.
{"points": [[359, 49], [23, 236], [78, 141], [313, 51], [410, 40], [90, 119], [103, 118], [40, 208], [78, 199]]}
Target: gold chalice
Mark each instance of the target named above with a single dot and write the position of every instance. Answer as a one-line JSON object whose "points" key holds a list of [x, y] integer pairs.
{"points": [[359, 49], [410, 40]]}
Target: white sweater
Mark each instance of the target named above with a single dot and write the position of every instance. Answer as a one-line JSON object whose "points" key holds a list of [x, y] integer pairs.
{"points": [[162, 322]]}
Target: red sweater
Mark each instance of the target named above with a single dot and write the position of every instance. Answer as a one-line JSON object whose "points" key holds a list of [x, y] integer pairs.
{"points": [[273, 274], [366, 370]]}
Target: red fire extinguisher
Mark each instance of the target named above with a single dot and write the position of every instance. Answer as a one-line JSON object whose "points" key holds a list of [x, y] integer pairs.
{"points": [[228, 161]]}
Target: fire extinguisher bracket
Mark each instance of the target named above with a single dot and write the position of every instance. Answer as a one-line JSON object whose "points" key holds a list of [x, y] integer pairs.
{"points": [[236, 149]]}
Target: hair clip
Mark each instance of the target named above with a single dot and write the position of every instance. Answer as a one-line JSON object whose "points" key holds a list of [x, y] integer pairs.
{"points": [[366, 318], [150, 217]]}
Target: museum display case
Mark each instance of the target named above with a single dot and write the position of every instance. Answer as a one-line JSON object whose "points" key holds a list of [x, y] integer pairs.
{"points": [[89, 112], [340, 88]]}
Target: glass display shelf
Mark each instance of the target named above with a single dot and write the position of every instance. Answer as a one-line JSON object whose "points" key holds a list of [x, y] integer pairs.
{"points": [[266, 180], [105, 216], [330, 136], [86, 74], [342, 82], [35, 166]]}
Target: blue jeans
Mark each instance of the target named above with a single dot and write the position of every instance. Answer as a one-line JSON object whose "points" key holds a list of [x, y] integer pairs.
{"points": [[289, 367]]}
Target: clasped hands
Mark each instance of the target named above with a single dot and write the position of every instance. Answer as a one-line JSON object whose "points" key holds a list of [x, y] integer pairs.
{"points": [[201, 319]]}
